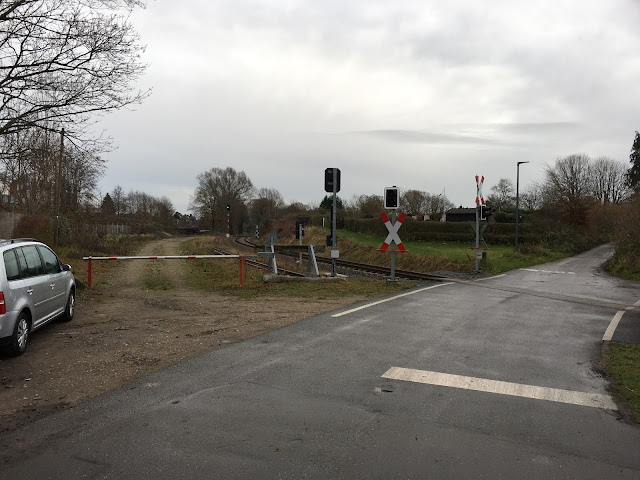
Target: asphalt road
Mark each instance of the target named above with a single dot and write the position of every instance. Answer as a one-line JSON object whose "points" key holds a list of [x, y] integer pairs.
{"points": [[491, 379]]}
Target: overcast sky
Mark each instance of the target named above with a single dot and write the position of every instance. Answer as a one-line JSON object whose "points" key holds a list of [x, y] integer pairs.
{"points": [[418, 94]]}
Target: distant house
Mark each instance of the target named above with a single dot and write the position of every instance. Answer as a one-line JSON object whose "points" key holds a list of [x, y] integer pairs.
{"points": [[461, 215]]}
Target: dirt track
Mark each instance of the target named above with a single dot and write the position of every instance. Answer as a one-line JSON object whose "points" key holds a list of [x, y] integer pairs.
{"points": [[122, 331]]}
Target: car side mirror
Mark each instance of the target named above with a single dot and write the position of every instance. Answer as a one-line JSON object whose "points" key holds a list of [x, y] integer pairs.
{"points": [[66, 268]]}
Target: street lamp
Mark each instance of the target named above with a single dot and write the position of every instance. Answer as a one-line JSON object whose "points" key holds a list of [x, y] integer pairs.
{"points": [[518, 200]]}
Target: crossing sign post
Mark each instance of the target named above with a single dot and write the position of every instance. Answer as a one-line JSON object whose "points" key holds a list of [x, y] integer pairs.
{"points": [[392, 243], [479, 204]]}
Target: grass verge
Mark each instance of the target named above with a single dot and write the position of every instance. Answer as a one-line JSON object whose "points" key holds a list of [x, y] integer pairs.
{"points": [[435, 256], [622, 364]]}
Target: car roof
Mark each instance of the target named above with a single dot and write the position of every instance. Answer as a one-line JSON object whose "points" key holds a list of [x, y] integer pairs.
{"points": [[11, 241]]}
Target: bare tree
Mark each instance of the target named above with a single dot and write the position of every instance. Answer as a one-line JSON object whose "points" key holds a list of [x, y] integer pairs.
{"points": [[118, 197], [413, 201], [502, 194], [609, 180], [63, 60], [266, 204], [368, 206], [568, 187], [531, 198], [436, 205], [29, 166], [633, 174], [217, 188]]}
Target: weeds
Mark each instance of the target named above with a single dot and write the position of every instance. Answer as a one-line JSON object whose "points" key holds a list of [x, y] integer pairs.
{"points": [[622, 362]]}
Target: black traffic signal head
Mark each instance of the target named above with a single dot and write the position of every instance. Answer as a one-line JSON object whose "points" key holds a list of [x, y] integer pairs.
{"points": [[391, 198], [228, 207], [328, 180], [485, 212]]}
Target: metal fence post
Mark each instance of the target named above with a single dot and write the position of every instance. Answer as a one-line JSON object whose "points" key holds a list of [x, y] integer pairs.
{"points": [[89, 273], [243, 269]]}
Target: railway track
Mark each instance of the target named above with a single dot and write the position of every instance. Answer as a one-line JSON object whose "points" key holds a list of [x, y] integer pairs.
{"points": [[261, 265], [361, 267]]}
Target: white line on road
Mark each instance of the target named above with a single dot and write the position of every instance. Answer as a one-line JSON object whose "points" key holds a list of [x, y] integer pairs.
{"points": [[608, 334], [635, 306], [547, 271], [489, 278], [502, 388], [362, 307]]}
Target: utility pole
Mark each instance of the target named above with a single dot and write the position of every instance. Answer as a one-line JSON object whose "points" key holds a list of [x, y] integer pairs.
{"points": [[332, 185], [518, 200], [333, 222], [56, 233], [479, 202], [477, 261]]}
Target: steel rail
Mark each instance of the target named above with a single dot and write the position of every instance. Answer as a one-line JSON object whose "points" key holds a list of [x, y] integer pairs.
{"points": [[364, 267]]}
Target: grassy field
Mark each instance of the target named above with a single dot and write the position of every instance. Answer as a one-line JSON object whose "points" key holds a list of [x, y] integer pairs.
{"points": [[622, 362], [433, 256]]}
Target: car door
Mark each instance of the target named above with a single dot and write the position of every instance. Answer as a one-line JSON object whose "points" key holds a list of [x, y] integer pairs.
{"points": [[58, 280], [16, 286], [36, 282]]}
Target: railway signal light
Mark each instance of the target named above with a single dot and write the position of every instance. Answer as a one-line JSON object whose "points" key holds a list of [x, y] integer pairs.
{"points": [[228, 207], [328, 180], [485, 212], [391, 198]]}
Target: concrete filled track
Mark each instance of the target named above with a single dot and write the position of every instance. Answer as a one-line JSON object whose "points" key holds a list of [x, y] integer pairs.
{"points": [[260, 265], [360, 267]]}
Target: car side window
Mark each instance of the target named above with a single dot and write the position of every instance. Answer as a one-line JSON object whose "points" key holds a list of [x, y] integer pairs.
{"points": [[51, 262], [33, 264], [11, 265]]}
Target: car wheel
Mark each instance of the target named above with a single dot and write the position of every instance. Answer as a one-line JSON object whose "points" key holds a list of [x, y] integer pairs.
{"points": [[18, 342], [70, 308]]}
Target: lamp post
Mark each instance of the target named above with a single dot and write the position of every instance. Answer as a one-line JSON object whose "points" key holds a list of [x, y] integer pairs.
{"points": [[518, 200]]}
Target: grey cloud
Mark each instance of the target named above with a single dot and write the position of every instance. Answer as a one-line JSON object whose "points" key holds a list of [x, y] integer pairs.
{"points": [[416, 136]]}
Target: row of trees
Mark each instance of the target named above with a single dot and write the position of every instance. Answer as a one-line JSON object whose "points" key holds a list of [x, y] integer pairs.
{"points": [[61, 63], [40, 176], [571, 182], [218, 188], [136, 205]]}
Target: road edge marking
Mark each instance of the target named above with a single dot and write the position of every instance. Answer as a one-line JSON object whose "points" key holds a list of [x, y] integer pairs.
{"points": [[362, 307], [489, 278], [608, 334], [584, 399]]}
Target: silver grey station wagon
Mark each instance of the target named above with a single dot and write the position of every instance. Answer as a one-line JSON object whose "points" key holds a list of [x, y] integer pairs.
{"points": [[35, 288]]}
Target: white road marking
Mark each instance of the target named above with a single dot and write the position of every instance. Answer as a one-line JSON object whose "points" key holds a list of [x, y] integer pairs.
{"points": [[608, 334], [362, 307], [547, 271], [634, 307], [502, 388], [489, 278]]}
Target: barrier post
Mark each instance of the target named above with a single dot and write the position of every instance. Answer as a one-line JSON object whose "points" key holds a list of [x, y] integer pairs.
{"points": [[89, 273], [243, 269]]}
